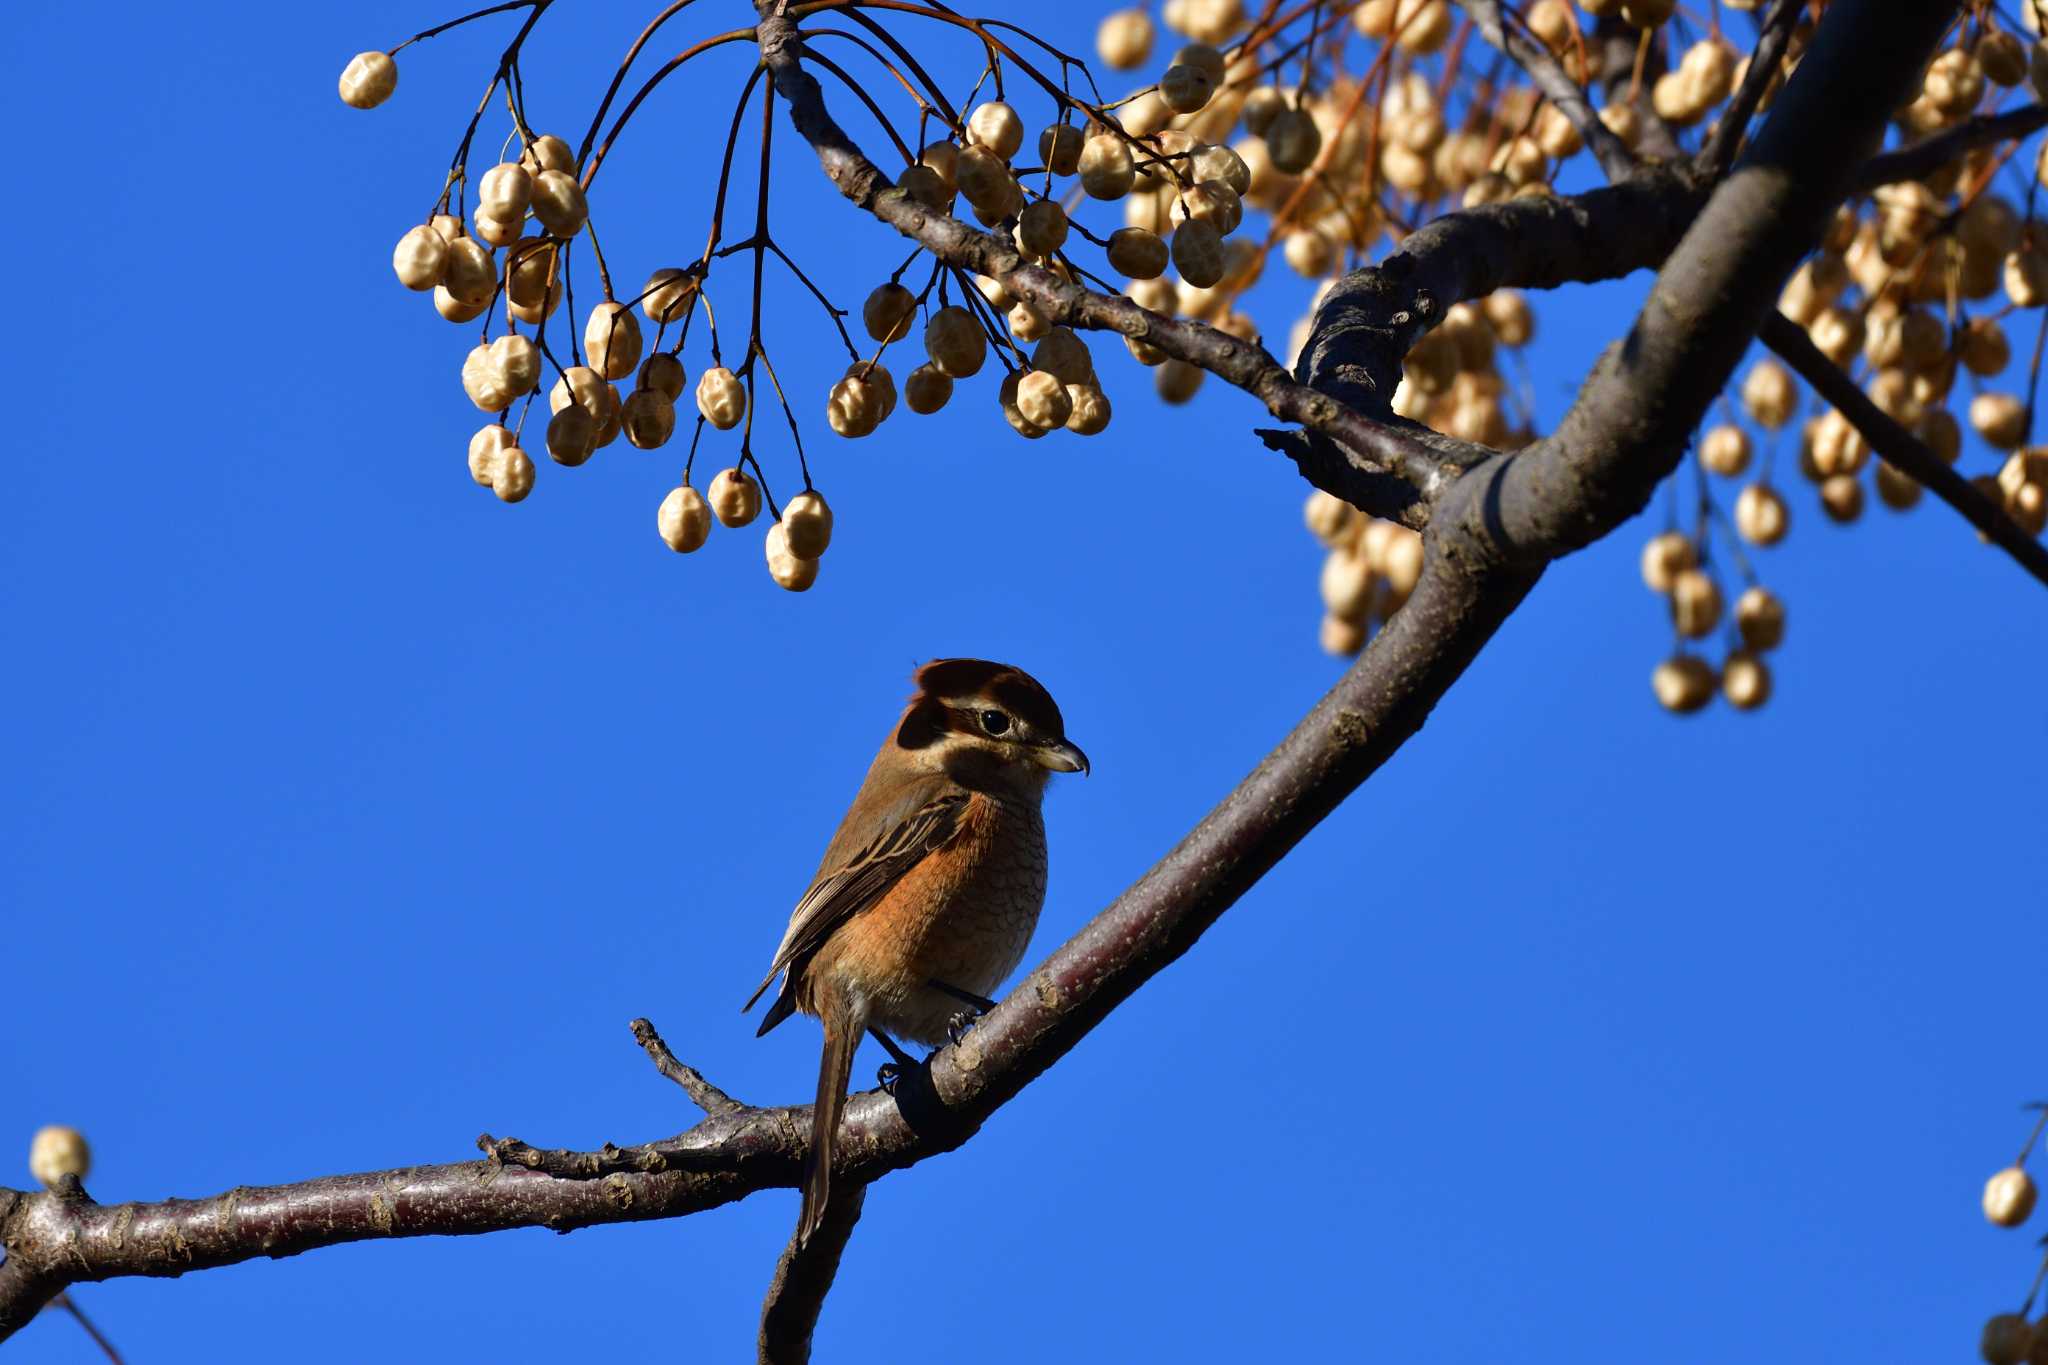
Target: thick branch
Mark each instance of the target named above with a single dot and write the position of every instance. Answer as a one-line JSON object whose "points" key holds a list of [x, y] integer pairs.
{"points": [[1631, 421], [1905, 451], [803, 1276]]}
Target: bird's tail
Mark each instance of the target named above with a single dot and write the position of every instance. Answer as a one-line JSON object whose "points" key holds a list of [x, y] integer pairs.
{"points": [[842, 1035]]}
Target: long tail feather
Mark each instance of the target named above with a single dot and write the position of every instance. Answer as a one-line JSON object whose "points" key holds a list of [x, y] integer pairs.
{"points": [[835, 1068]]}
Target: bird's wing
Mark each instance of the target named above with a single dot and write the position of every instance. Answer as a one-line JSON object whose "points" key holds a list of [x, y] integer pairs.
{"points": [[843, 891]]}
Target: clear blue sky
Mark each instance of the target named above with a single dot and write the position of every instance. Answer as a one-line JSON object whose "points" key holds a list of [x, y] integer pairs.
{"points": [[350, 813]]}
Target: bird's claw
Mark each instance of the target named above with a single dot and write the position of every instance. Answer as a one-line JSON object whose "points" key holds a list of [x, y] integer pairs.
{"points": [[960, 1024], [887, 1074]]}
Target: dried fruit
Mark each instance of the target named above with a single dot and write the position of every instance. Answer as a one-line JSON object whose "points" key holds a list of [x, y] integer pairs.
{"points": [[1683, 683], [558, 203], [788, 570], [926, 389], [995, 125], [722, 401], [572, 435], [611, 340], [1059, 147], [1745, 681], [1124, 39], [368, 80], [664, 372], [512, 477], [515, 362], [505, 191], [668, 295], [1043, 400], [684, 519], [1695, 603], [1725, 450], [888, 312], [1198, 253], [955, 343], [807, 524], [2009, 1197], [1090, 415], [735, 498], [648, 418], [1667, 555], [484, 449], [1041, 229], [1760, 619], [1761, 517], [2006, 1340], [57, 1151], [420, 259], [1107, 171]]}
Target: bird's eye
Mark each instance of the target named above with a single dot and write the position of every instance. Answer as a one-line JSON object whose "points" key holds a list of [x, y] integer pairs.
{"points": [[995, 722]]}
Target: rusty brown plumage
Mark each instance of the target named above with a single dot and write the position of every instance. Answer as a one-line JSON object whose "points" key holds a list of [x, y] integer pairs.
{"points": [[936, 875]]}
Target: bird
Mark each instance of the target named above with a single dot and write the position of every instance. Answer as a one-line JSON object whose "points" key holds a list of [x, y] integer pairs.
{"points": [[928, 894]]}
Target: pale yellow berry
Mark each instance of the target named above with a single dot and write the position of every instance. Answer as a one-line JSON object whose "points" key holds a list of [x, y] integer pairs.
{"points": [[583, 386], [648, 418], [420, 260], [529, 271], [469, 273], [1725, 450], [888, 312], [955, 342], [1841, 497], [1185, 89], [547, 153], [1310, 253], [1292, 141], [789, 570], [505, 191], [1124, 39], [664, 372], [1667, 555], [1895, 488], [572, 435], [1761, 517], [1176, 381], [611, 340], [995, 125], [1041, 229], [735, 498], [1107, 171], [854, 407], [369, 78], [923, 184], [515, 361], [1026, 322], [1683, 683], [512, 479], [1007, 397], [1745, 681], [2000, 418], [480, 380], [1064, 356], [721, 399], [1340, 637], [2009, 1197], [1329, 518], [484, 449], [1090, 414], [454, 309], [1138, 253], [1059, 148], [807, 524], [684, 519], [558, 203], [1198, 253], [1043, 400], [1695, 603], [926, 389], [1760, 618], [668, 295], [1769, 395], [57, 1151]]}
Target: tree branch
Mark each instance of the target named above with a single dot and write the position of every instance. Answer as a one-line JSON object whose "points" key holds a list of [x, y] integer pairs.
{"points": [[1930, 154], [1905, 451], [803, 1276], [1630, 423], [1764, 62], [1557, 86]]}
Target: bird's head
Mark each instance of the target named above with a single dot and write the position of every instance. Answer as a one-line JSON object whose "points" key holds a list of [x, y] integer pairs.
{"points": [[987, 724]]}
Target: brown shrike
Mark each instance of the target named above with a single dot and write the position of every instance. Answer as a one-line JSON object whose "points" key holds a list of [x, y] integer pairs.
{"points": [[928, 894]]}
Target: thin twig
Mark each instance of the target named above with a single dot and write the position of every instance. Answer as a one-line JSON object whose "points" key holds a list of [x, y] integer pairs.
{"points": [[702, 1093]]}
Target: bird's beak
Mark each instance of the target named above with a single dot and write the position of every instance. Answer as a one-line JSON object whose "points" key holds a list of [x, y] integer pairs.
{"points": [[1062, 757]]}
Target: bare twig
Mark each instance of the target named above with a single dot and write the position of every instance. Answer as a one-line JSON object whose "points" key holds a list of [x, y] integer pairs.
{"points": [[1900, 447], [703, 1093]]}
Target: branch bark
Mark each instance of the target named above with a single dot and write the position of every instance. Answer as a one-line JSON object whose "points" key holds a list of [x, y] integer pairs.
{"points": [[1498, 522]]}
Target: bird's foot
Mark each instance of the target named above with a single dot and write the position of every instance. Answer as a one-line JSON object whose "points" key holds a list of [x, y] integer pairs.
{"points": [[962, 1023], [886, 1076]]}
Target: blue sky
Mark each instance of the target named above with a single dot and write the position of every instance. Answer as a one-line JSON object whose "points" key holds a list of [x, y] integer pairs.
{"points": [[350, 813]]}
